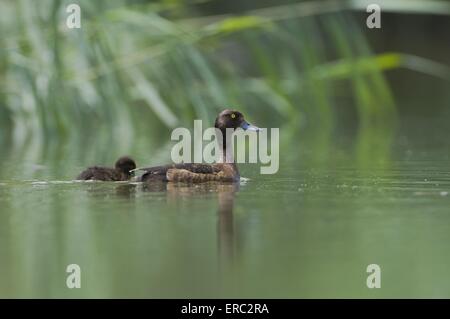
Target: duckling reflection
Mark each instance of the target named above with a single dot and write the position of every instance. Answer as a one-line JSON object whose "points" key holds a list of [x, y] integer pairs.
{"points": [[124, 190], [225, 222]]}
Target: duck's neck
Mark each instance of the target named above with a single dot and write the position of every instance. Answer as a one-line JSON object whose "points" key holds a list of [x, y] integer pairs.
{"points": [[225, 149], [226, 155]]}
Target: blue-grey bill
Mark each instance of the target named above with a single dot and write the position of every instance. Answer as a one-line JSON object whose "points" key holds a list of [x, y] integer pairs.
{"points": [[248, 127]]}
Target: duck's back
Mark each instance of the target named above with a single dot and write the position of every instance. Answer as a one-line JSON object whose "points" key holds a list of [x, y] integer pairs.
{"points": [[160, 172], [192, 173]]}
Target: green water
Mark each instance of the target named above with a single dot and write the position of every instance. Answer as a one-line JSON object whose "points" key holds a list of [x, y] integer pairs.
{"points": [[308, 231]]}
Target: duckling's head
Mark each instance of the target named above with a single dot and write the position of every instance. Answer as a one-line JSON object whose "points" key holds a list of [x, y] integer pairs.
{"points": [[233, 119], [125, 164]]}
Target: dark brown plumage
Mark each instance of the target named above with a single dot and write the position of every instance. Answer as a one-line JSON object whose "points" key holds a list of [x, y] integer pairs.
{"points": [[198, 173], [120, 172]]}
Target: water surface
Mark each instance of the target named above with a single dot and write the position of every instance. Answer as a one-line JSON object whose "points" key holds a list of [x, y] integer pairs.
{"points": [[308, 231]]}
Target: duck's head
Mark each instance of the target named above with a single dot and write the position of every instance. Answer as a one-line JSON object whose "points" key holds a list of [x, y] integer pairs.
{"points": [[233, 119], [125, 164]]}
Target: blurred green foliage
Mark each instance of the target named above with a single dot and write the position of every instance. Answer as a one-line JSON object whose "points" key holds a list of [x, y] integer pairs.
{"points": [[137, 67]]}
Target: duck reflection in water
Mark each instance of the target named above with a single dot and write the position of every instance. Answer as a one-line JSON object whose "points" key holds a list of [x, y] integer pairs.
{"points": [[225, 222]]}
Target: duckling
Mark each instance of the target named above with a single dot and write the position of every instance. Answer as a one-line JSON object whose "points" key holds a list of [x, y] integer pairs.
{"points": [[225, 171], [120, 172]]}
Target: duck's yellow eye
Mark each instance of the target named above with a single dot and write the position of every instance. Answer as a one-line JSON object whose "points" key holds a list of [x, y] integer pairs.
{"points": [[233, 115]]}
